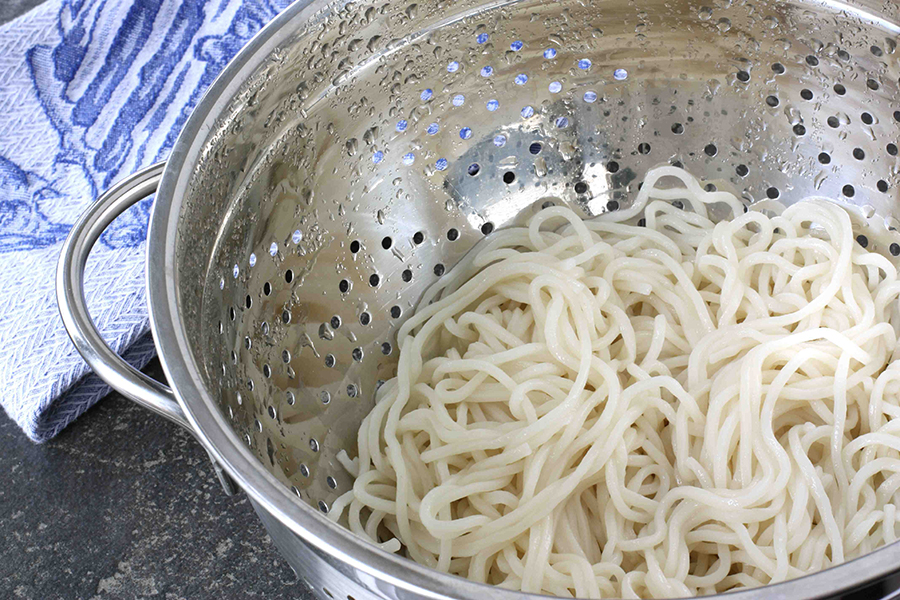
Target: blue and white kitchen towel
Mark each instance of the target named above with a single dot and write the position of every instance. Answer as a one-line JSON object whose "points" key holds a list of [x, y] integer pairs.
{"points": [[91, 91]]}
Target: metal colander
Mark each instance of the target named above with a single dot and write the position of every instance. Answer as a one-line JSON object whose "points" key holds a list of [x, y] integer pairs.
{"points": [[378, 147], [330, 181]]}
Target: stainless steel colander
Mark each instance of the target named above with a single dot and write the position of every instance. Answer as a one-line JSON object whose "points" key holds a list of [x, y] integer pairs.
{"points": [[353, 152]]}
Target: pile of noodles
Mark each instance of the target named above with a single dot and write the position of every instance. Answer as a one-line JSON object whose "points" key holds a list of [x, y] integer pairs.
{"points": [[675, 408]]}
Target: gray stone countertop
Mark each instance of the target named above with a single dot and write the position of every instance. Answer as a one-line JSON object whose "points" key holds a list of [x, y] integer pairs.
{"points": [[124, 504]]}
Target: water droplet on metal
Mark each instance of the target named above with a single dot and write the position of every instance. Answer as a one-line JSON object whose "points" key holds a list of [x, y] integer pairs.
{"points": [[325, 332], [794, 116], [821, 178], [306, 342]]}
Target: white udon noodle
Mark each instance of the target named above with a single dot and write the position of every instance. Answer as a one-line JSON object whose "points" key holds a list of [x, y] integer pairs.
{"points": [[610, 410]]}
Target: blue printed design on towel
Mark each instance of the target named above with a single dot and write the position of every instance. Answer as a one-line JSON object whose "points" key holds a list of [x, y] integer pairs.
{"points": [[22, 223], [92, 90]]}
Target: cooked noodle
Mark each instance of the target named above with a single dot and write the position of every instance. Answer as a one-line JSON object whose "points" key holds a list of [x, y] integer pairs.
{"points": [[602, 409]]}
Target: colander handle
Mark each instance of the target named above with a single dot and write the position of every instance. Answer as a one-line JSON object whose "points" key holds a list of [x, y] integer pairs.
{"points": [[121, 376]]}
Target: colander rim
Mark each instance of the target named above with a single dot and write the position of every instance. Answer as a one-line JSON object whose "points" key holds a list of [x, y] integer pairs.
{"points": [[215, 434]]}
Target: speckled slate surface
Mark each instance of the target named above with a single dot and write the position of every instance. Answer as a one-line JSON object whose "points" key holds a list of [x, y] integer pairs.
{"points": [[10, 9], [124, 504]]}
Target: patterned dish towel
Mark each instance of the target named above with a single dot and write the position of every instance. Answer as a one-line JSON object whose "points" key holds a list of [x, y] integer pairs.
{"points": [[91, 91]]}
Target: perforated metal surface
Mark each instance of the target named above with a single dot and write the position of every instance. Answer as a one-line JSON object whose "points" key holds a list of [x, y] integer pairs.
{"points": [[368, 155]]}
